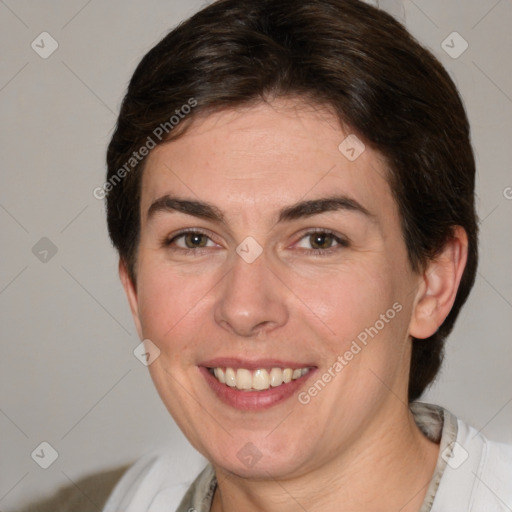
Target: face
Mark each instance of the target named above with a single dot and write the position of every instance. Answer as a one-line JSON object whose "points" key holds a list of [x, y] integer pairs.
{"points": [[275, 260]]}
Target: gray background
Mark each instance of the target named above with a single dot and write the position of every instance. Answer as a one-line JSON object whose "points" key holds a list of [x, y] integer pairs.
{"points": [[68, 374]]}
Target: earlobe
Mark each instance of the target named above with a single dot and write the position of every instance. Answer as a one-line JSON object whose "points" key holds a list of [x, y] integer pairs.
{"points": [[439, 284], [131, 294]]}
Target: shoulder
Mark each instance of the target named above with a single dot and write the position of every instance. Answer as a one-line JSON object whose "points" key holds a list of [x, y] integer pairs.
{"points": [[157, 481], [478, 473], [88, 494]]}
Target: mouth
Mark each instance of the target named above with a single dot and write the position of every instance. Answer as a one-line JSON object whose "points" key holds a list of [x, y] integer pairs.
{"points": [[252, 385], [260, 379]]}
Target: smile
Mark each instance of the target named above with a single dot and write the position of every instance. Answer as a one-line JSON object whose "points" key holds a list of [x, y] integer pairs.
{"points": [[260, 379]]}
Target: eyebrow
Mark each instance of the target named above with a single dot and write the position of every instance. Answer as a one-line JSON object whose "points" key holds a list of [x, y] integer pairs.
{"points": [[302, 209], [322, 205]]}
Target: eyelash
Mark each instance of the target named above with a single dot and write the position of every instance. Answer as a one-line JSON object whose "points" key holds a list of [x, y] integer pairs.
{"points": [[342, 242]]}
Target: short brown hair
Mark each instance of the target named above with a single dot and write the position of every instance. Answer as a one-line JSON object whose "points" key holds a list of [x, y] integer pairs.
{"points": [[360, 62]]}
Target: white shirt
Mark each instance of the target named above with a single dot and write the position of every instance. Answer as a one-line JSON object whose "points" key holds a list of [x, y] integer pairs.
{"points": [[472, 473]]}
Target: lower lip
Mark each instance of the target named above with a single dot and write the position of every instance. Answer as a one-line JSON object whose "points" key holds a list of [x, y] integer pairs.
{"points": [[253, 400]]}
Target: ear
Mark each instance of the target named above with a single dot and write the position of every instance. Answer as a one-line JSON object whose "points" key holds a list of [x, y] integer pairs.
{"points": [[131, 294], [438, 286]]}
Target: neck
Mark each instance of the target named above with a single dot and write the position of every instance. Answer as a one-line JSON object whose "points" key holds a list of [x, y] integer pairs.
{"points": [[388, 468]]}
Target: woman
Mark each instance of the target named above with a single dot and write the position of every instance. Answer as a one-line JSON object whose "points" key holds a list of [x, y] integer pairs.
{"points": [[291, 191]]}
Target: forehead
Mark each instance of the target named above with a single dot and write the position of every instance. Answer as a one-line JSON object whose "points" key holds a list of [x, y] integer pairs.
{"points": [[263, 157]]}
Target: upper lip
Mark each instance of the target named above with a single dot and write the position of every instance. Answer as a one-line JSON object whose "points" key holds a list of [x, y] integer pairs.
{"points": [[252, 364]]}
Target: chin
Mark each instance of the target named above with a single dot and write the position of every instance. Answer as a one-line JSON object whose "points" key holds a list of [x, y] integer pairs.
{"points": [[260, 460]]}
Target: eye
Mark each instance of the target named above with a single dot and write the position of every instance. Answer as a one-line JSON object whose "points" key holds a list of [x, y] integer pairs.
{"points": [[187, 240], [321, 241]]}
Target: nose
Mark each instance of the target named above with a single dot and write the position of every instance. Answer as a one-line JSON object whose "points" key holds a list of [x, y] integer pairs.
{"points": [[251, 299]]}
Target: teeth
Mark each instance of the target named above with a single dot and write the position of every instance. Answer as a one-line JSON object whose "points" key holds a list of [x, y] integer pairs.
{"points": [[296, 374], [230, 376], [219, 373], [243, 379], [260, 380], [276, 377], [257, 380]]}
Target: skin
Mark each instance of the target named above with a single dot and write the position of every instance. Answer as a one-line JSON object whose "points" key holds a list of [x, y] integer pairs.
{"points": [[355, 445]]}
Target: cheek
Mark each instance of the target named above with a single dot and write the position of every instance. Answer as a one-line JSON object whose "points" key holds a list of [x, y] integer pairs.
{"points": [[349, 300], [368, 322], [170, 303]]}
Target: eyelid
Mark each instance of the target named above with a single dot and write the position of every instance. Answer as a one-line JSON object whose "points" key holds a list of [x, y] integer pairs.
{"points": [[169, 239], [312, 231], [341, 240]]}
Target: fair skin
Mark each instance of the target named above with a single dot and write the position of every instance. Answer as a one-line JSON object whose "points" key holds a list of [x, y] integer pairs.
{"points": [[354, 446]]}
